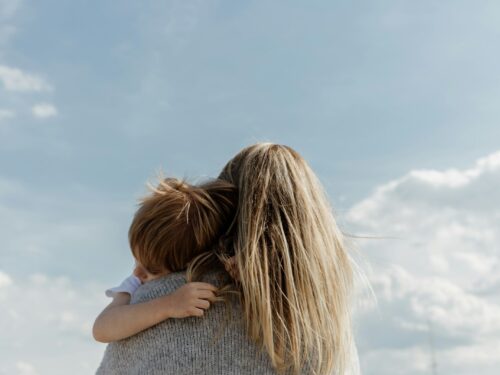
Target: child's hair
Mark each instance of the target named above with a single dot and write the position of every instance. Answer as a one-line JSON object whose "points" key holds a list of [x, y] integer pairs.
{"points": [[178, 221]]}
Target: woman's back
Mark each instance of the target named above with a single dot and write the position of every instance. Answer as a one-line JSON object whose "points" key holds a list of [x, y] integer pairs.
{"points": [[216, 343]]}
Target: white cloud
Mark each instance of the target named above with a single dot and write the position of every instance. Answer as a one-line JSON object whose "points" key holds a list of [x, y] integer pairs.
{"points": [[25, 368], [412, 361], [14, 79], [5, 279], [45, 320], [436, 272], [6, 114], [454, 311], [44, 110], [46, 324]]}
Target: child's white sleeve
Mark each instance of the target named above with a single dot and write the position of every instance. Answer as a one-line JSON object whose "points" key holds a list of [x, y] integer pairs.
{"points": [[129, 285]]}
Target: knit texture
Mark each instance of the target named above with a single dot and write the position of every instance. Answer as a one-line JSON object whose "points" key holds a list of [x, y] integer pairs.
{"points": [[216, 343]]}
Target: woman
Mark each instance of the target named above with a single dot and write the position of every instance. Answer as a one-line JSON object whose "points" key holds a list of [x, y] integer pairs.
{"points": [[293, 277]]}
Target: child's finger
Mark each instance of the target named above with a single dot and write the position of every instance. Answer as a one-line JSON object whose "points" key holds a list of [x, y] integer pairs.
{"points": [[206, 294], [197, 312], [204, 286], [202, 304]]}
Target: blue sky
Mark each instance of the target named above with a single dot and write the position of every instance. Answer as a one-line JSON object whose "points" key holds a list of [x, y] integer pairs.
{"points": [[389, 101]]}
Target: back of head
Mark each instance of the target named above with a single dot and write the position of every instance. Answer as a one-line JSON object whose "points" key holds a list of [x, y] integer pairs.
{"points": [[178, 221], [295, 274]]}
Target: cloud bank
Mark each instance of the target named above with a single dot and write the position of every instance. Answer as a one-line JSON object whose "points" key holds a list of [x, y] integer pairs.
{"points": [[46, 325], [437, 275]]}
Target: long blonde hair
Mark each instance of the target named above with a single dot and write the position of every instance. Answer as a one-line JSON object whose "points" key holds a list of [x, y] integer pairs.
{"points": [[295, 275]]}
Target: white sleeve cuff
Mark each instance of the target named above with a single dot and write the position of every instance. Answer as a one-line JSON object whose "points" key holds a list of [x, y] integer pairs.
{"points": [[129, 285]]}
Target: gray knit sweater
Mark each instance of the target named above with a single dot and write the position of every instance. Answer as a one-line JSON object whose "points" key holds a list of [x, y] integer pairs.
{"points": [[216, 343]]}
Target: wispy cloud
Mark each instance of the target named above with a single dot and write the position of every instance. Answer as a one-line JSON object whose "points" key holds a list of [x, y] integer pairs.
{"points": [[5, 280], [14, 79], [26, 368], [53, 228], [63, 315], [6, 114], [44, 110], [8, 8]]}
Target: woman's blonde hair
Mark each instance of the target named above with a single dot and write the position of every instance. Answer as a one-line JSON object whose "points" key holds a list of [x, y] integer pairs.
{"points": [[295, 276]]}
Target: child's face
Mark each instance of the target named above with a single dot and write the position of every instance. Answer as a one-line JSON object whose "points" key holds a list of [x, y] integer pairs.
{"points": [[141, 273]]}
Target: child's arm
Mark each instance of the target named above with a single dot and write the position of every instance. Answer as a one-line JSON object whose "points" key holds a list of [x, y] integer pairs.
{"points": [[120, 320]]}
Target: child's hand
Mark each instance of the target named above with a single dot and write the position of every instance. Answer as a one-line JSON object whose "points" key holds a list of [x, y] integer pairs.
{"points": [[190, 299]]}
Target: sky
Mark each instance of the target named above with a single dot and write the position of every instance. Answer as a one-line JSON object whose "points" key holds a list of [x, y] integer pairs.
{"points": [[394, 104]]}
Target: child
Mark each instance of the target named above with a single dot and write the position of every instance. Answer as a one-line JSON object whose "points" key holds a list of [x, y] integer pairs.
{"points": [[173, 225]]}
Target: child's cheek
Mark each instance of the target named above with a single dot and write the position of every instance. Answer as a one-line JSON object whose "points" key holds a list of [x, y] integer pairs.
{"points": [[141, 274]]}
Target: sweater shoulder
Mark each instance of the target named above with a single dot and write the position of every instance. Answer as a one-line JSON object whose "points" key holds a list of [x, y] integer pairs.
{"points": [[171, 282], [216, 343]]}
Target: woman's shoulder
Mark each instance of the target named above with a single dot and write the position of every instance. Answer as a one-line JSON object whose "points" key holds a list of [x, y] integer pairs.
{"points": [[216, 343]]}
